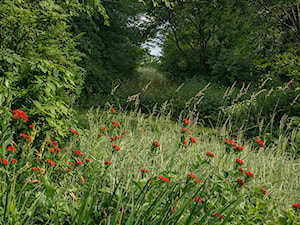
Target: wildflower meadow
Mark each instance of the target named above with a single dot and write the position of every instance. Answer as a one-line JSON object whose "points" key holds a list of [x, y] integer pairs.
{"points": [[132, 168]]}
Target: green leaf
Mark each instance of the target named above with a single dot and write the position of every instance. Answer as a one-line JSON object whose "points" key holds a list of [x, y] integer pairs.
{"points": [[49, 191]]}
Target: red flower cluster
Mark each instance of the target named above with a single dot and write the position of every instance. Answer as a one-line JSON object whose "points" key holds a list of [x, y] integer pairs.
{"points": [[112, 138], [266, 193], [144, 170], [241, 169], [13, 160], [74, 131], [241, 182], [191, 175], [210, 154], [103, 128], [19, 113], [124, 132], [35, 168], [248, 173], [87, 160], [230, 142], [113, 110], [4, 161], [297, 205], [100, 134], [32, 127], [186, 122], [193, 139], [116, 147], [260, 142], [185, 143], [25, 136], [11, 148], [197, 199], [238, 148], [77, 152], [156, 144], [107, 162], [115, 123], [185, 130], [51, 162], [164, 179], [54, 143], [78, 161], [54, 150], [240, 162], [117, 137]]}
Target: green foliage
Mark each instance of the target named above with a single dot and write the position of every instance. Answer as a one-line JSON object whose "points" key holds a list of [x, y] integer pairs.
{"points": [[268, 112], [111, 53], [38, 64]]}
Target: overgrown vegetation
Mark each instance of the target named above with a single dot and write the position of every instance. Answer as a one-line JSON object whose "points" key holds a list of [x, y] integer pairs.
{"points": [[171, 143]]}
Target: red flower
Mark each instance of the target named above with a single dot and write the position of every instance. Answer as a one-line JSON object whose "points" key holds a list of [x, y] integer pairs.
{"points": [[19, 113], [193, 139], [100, 134], [186, 122], [112, 138], [35, 168], [191, 175], [266, 193], [87, 160], [77, 152], [10, 148], [115, 123], [124, 131], [241, 182], [52, 150], [210, 154], [103, 128], [4, 161], [72, 163], [297, 205], [32, 127], [51, 162], [13, 160], [78, 161], [107, 162], [69, 169], [248, 173], [83, 179], [25, 136], [156, 144], [116, 136], [113, 110], [185, 143], [185, 130], [241, 169], [74, 131], [197, 199], [199, 181], [260, 142], [163, 178], [230, 142], [144, 170], [116, 147], [54, 143], [240, 161], [238, 148]]}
